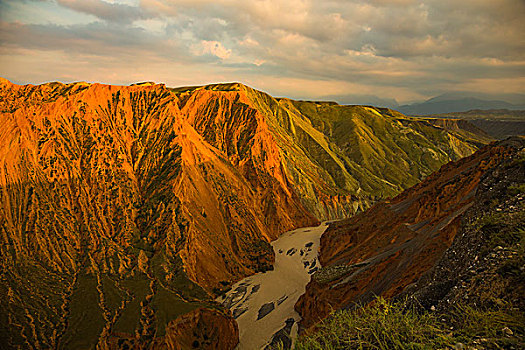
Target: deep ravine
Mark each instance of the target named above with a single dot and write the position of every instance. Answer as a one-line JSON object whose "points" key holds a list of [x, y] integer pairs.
{"points": [[263, 304]]}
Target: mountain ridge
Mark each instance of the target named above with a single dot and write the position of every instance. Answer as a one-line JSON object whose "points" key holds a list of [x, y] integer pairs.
{"points": [[498, 123], [449, 104]]}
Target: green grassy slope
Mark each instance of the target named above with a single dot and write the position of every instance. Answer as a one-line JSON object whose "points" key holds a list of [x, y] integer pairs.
{"points": [[343, 158]]}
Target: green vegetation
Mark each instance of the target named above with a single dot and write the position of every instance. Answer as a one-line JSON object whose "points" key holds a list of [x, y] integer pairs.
{"points": [[387, 325], [515, 236], [333, 272], [516, 189], [502, 229], [520, 160], [514, 266]]}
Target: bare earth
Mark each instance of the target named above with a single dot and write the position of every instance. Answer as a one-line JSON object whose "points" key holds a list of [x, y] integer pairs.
{"points": [[262, 303]]}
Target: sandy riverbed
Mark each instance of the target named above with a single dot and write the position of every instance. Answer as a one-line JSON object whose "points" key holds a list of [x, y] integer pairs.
{"points": [[263, 304]]}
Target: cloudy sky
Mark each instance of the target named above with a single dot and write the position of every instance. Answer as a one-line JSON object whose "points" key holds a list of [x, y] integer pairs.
{"points": [[407, 50]]}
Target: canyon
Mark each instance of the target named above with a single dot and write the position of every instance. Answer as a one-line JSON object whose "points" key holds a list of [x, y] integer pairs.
{"points": [[263, 304], [127, 210]]}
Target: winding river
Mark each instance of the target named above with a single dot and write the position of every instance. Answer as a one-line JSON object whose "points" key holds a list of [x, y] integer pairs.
{"points": [[263, 304]]}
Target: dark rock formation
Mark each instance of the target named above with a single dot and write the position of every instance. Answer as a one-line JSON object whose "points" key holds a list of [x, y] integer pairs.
{"points": [[265, 310], [282, 339]]}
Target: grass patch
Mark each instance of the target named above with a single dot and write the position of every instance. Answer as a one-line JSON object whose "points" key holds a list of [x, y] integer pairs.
{"points": [[491, 221], [519, 160], [507, 238], [386, 325], [489, 324], [516, 189], [502, 229], [334, 272]]}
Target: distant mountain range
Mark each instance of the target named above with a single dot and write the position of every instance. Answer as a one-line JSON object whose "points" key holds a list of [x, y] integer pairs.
{"points": [[460, 102], [445, 103]]}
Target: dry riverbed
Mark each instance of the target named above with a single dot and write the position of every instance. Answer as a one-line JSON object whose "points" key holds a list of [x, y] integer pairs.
{"points": [[263, 304]]}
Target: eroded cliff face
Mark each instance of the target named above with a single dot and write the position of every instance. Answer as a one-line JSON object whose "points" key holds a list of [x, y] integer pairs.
{"points": [[110, 197], [484, 266], [201, 328], [241, 186], [342, 159], [390, 246], [117, 201]]}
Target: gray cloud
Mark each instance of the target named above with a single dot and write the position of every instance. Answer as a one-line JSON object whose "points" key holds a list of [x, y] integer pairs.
{"points": [[113, 12], [402, 49]]}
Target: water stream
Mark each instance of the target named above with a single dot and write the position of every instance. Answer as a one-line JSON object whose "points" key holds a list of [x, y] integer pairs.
{"points": [[263, 304]]}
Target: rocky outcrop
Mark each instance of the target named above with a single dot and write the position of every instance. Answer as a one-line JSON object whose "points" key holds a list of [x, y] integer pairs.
{"points": [[202, 329], [485, 265], [390, 246], [498, 123], [465, 127]]}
